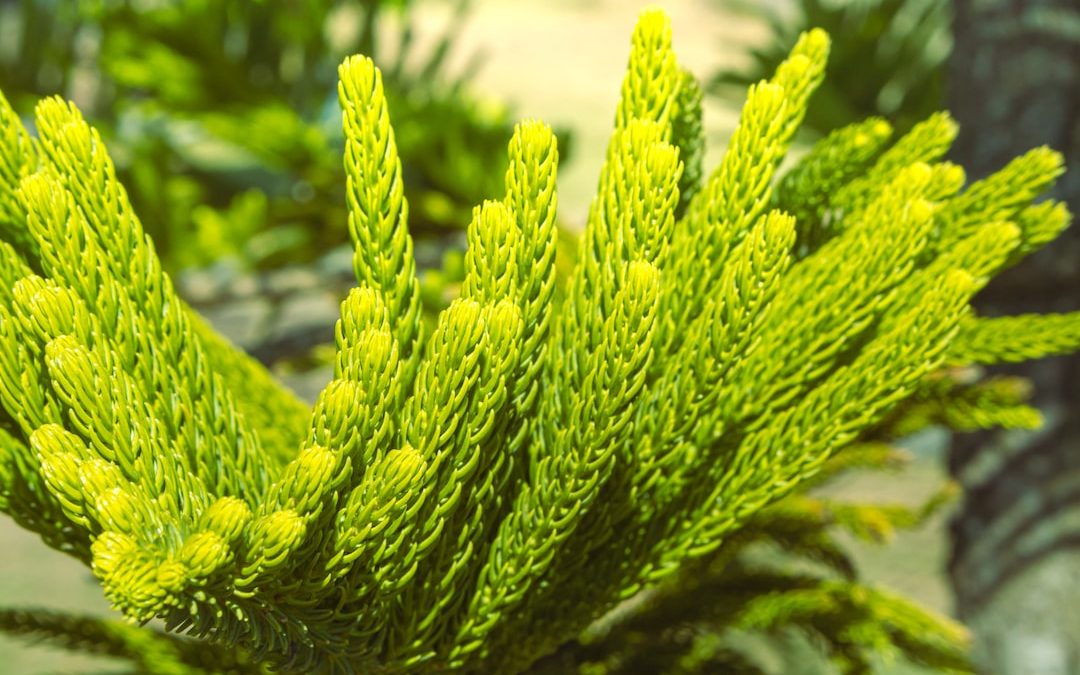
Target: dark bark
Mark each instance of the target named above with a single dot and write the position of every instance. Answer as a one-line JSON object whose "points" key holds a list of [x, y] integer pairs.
{"points": [[1014, 85]]}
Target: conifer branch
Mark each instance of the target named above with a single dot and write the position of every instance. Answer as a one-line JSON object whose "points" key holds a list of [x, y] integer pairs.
{"points": [[472, 499]]}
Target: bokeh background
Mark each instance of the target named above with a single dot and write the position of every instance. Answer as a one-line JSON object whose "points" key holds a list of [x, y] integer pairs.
{"points": [[233, 162]]}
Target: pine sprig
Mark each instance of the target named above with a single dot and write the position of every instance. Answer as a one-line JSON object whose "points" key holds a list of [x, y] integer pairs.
{"points": [[471, 499]]}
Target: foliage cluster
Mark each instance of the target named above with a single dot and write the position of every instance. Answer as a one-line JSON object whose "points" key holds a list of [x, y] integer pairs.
{"points": [[235, 152], [888, 57], [537, 468]]}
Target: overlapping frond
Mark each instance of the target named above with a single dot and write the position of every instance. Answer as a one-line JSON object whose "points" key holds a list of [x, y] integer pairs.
{"points": [[472, 498]]}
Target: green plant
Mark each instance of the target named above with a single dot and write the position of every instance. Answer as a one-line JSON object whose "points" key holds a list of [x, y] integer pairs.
{"points": [[888, 58], [473, 498], [234, 153], [782, 595]]}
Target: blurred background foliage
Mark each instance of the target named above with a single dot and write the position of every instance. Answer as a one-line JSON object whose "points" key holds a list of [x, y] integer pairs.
{"points": [[888, 57], [222, 114]]}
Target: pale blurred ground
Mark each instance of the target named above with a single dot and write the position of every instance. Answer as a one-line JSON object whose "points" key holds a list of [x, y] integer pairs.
{"points": [[562, 62]]}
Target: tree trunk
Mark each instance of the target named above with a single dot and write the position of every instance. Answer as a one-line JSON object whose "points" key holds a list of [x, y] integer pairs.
{"points": [[1015, 566]]}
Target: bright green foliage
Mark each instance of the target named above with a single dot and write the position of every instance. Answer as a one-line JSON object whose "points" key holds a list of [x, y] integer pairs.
{"points": [[968, 406], [1010, 339], [783, 576], [472, 497], [807, 190], [383, 258], [217, 114], [888, 58]]}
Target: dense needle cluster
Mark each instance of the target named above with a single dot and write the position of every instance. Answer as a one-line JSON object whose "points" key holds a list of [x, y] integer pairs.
{"points": [[471, 496]]}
